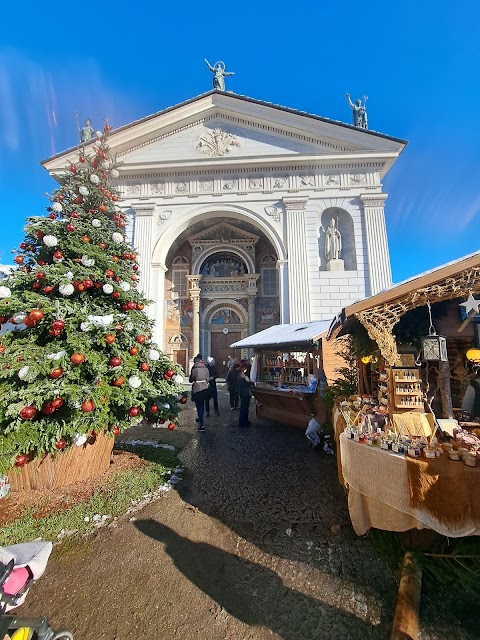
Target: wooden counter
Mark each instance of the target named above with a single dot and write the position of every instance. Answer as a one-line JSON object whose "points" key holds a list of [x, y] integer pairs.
{"points": [[288, 407]]}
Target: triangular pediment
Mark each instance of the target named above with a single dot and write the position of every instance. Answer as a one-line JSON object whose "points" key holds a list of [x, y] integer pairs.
{"points": [[223, 233], [223, 128]]}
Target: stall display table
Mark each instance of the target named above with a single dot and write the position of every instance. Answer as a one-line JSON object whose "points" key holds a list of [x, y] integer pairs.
{"points": [[379, 496]]}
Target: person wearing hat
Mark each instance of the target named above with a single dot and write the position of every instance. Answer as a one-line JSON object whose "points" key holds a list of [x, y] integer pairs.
{"points": [[212, 382], [244, 386]]}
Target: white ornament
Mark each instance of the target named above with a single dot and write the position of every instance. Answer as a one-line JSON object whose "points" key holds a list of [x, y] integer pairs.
{"points": [[69, 275], [23, 373], [470, 305], [101, 321], [83, 191], [79, 439], [50, 241], [107, 288], [57, 207], [153, 354], [57, 260], [117, 237], [99, 134], [114, 173], [134, 382], [124, 286], [94, 179], [129, 326], [66, 289], [96, 223], [166, 406], [87, 261], [105, 164], [56, 356], [178, 379], [19, 317], [5, 292], [85, 326]]}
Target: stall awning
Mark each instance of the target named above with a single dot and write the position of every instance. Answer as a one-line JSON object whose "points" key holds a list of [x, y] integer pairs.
{"points": [[300, 334]]}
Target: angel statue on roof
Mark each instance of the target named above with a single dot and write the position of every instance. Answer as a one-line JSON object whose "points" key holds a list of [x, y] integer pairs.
{"points": [[219, 74]]}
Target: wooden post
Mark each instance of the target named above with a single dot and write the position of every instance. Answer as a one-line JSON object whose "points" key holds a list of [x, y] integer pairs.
{"points": [[406, 619], [445, 390]]}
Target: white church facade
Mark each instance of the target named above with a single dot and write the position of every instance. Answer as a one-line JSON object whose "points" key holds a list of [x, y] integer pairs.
{"points": [[247, 214]]}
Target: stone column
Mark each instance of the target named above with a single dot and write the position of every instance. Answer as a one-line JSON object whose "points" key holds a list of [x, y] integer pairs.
{"points": [[156, 311], [195, 297], [298, 289], [282, 267], [380, 272], [252, 290], [143, 242]]}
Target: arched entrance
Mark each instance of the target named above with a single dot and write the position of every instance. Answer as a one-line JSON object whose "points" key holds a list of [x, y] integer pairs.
{"points": [[225, 323]]}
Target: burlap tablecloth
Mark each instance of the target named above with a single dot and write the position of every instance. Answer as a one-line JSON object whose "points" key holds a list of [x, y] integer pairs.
{"points": [[379, 495]]}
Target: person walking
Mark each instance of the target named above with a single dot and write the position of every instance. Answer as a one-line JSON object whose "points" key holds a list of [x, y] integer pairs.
{"points": [[212, 383], [199, 376], [244, 391], [232, 386]]}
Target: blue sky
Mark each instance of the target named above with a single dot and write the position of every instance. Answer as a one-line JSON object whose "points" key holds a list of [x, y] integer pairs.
{"points": [[419, 63]]}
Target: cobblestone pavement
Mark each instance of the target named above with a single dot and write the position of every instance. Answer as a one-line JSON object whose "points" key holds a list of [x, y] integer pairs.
{"points": [[255, 544]]}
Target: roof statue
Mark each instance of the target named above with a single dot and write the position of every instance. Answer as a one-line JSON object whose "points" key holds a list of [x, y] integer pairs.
{"points": [[359, 112], [219, 74], [87, 133]]}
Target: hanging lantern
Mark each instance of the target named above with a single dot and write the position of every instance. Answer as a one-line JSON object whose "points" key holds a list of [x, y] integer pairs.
{"points": [[473, 355], [434, 347]]}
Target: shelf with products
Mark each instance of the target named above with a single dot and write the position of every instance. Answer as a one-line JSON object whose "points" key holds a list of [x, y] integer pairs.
{"points": [[406, 388], [286, 367]]}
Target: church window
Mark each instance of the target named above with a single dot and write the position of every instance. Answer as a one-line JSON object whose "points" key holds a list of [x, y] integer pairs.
{"points": [[180, 282], [269, 282]]}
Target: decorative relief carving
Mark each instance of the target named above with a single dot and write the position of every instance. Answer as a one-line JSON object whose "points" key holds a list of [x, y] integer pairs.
{"points": [[358, 178], [205, 186], [230, 185], [158, 188], [182, 187], [332, 181], [255, 183], [273, 211], [216, 142], [133, 189], [307, 181], [279, 183], [163, 215]]}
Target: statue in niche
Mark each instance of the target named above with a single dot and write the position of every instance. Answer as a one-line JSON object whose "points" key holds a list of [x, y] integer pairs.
{"points": [[333, 242], [219, 74], [359, 111]]}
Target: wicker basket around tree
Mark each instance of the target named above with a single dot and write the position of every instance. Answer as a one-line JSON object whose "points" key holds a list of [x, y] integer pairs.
{"points": [[66, 467]]}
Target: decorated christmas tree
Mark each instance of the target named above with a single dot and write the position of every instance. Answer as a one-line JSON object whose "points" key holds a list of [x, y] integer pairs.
{"points": [[81, 359]]}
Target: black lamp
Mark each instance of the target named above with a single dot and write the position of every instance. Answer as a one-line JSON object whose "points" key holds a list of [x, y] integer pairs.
{"points": [[434, 347]]}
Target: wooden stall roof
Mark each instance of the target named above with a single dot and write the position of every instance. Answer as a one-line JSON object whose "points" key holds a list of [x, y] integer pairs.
{"points": [[299, 335], [381, 312]]}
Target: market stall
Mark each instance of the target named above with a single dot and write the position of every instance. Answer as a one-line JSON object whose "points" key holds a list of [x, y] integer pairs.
{"points": [[288, 372], [406, 451]]}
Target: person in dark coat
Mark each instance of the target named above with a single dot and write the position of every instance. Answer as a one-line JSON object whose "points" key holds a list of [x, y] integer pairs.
{"points": [[245, 393], [231, 380], [213, 387], [200, 377]]}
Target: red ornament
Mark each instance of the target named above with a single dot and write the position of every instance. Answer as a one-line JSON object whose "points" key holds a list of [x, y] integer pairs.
{"points": [[183, 400], [131, 305], [28, 322], [109, 338], [70, 227], [124, 307], [140, 339], [54, 333], [154, 408], [133, 412], [88, 283], [118, 327], [102, 208], [22, 245], [102, 245], [18, 259], [58, 325], [80, 287], [48, 408], [78, 200], [85, 239], [88, 406], [36, 285], [39, 234], [171, 426], [170, 373], [73, 168], [145, 366], [52, 216], [77, 358], [116, 430], [115, 361], [40, 275], [56, 373], [28, 413], [48, 289], [115, 295], [109, 273], [115, 198], [74, 214], [58, 255], [21, 460], [42, 263], [118, 382], [140, 306], [133, 351], [61, 444], [135, 267], [57, 403], [36, 315], [81, 159]]}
